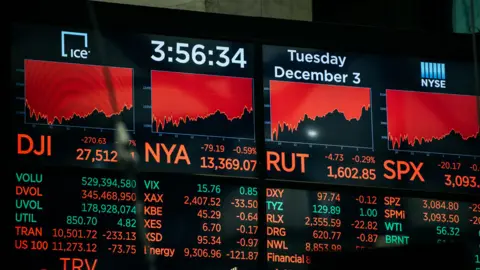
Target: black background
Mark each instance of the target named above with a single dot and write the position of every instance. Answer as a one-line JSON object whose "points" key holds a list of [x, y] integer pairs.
{"points": [[258, 31]]}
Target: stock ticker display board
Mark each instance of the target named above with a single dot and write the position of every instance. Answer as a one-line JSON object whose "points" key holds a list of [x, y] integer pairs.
{"points": [[187, 103], [368, 120], [302, 224], [341, 119], [88, 221]]}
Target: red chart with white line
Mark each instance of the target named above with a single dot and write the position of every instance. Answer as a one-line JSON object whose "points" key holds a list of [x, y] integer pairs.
{"points": [[76, 95], [433, 122], [202, 105], [320, 114]]}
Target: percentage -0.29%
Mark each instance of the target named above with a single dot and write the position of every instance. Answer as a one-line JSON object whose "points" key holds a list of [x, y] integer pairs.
{"points": [[356, 159]]}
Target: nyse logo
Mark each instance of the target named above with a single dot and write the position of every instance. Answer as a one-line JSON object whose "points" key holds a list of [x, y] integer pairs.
{"points": [[75, 45], [433, 75]]}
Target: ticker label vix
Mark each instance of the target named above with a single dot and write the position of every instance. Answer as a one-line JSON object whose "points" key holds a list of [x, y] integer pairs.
{"points": [[433, 75], [75, 45]]}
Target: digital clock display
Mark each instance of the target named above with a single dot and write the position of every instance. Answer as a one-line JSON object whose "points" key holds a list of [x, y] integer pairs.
{"points": [[198, 54]]}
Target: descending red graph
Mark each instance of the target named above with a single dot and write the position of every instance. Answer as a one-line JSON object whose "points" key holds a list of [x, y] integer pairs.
{"points": [[292, 102], [186, 99], [420, 117], [57, 92]]}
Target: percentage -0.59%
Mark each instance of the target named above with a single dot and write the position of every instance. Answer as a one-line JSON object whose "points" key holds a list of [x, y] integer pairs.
{"points": [[219, 148]]}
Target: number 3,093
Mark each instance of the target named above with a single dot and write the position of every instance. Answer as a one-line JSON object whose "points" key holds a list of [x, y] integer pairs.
{"points": [[197, 54]]}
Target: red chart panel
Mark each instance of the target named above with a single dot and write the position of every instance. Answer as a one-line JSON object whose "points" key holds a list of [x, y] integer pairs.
{"points": [[202, 105], [433, 122], [320, 114], [76, 95]]}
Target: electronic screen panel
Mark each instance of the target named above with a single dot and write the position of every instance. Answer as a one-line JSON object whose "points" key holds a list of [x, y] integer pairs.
{"points": [[306, 225], [187, 104], [370, 120], [98, 220]]}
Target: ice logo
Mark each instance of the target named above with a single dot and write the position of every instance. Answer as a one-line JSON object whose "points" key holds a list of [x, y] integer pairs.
{"points": [[75, 52]]}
